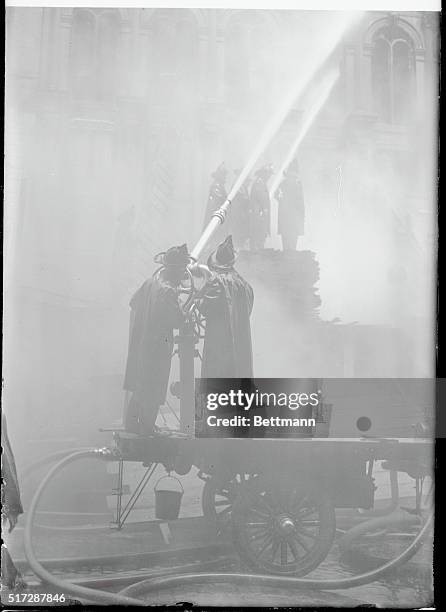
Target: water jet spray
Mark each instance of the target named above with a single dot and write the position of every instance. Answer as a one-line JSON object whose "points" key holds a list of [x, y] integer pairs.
{"points": [[325, 49]]}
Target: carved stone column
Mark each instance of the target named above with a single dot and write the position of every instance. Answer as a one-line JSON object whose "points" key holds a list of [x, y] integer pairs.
{"points": [[203, 66], [420, 79], [351, 77], [50, 56], [220, 65], [366, 79]]}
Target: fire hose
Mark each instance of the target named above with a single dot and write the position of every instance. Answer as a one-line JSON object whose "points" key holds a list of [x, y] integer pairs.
{"points": [[381, 523], [128, 596]]}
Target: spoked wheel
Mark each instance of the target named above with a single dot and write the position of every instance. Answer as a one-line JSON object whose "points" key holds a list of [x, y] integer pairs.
{"points": [[283, 529], [219, 494]]}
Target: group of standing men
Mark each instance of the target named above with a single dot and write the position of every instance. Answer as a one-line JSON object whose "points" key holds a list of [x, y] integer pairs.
{"points": [[250, 215]]}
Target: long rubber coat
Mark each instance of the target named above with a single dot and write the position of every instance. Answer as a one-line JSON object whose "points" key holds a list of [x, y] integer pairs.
{"points": [[217, 196], [227, 350], [154, 315]]}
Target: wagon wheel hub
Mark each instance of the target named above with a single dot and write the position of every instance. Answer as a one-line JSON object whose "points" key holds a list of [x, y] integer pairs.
{"points": [[283, 530], [285, 524]]}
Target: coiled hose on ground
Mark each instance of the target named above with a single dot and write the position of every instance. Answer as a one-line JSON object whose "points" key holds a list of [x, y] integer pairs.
{"points": [[128, 596]]}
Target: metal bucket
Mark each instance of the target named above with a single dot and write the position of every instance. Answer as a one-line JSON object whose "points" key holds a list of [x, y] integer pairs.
{"points": [[168, 501]]}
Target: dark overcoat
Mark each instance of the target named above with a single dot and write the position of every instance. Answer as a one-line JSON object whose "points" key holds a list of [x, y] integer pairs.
{"points": [[217, 197], [227, 349], [154, 315]]}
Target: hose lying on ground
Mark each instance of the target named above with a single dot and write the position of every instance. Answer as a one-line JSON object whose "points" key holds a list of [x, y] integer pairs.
{"points": [[146, 586], [128, 595], [381, 523]]}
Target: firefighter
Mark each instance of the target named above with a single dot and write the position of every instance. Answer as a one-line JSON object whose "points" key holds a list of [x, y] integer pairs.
{"points": [[217, 196], [290, 198], [259, 208], [155, 313], [217, 192], [227, 350]]}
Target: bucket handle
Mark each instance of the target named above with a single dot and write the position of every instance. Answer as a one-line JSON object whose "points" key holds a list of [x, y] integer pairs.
{"points": [[171, 478]]}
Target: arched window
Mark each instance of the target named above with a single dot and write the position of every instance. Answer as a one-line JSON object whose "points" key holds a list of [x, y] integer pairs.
{"points": [[261, 58], [248, 55], [393, 74], [186, 44], [173, 64], [237, 75], [107, 54], [82, 58], [94, 53]]}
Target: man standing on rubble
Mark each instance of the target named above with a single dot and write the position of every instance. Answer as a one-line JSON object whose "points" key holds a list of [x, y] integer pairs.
{"points": [[217, 196], [290, 198], [217, 192], [155, 313], [259, 208]]}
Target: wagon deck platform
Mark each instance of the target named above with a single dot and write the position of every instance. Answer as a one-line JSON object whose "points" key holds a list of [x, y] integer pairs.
{"points": [[168, 444]]}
